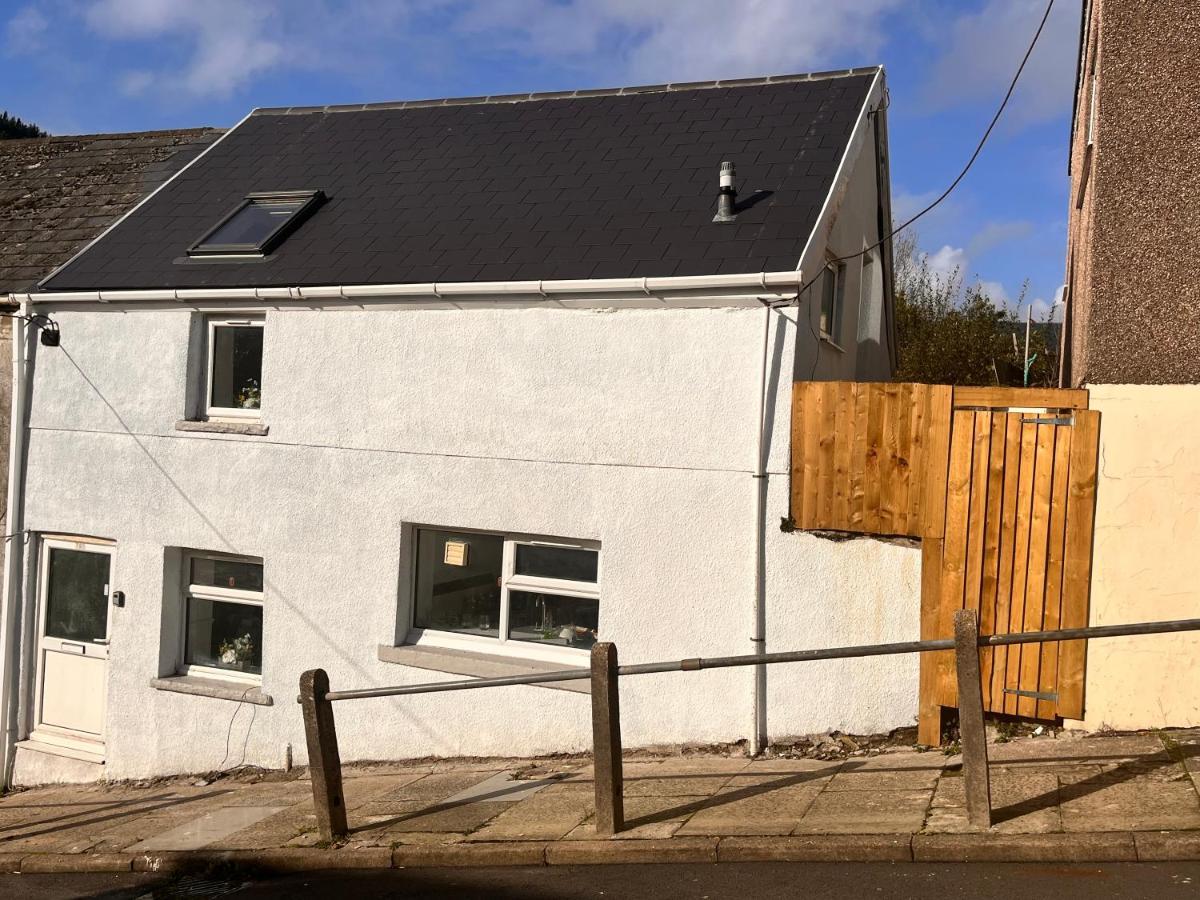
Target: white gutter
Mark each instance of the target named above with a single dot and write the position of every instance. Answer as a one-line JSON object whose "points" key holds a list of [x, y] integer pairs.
{"points": [[10, 668], [749, 285]]}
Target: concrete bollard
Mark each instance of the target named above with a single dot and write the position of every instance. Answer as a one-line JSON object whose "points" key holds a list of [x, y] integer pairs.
{"points": [[606, 742], [970, 719], [324, 761]]}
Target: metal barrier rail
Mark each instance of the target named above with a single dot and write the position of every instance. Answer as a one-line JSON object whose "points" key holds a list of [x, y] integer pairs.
{"points": [[325, 760], [720, 662]]}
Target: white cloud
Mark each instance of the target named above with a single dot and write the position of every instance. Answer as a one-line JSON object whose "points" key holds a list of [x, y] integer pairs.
{"points": [[946, 263], [675, 40], [1042, 308], [984, 48], [225, 44], [26, 30], [229, 41], [996, 292]]}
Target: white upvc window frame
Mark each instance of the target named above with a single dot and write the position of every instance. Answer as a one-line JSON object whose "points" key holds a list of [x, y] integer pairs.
{"points": [[503, 645], [212, 323], [836, 271], [222, 595]]}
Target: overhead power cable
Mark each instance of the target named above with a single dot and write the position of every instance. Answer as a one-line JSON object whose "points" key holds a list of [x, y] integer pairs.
{"points": [[970, 162]]}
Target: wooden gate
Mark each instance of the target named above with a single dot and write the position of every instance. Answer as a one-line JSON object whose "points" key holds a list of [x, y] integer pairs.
{"points": [[1017, 548], [1000, 485]]}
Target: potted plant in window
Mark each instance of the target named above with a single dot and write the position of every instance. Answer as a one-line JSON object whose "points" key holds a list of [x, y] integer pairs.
{"points": [[236, 652], [250, 396]]}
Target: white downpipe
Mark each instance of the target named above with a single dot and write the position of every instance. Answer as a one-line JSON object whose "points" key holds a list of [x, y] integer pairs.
{"points": [[758, 639], [10, 668]]}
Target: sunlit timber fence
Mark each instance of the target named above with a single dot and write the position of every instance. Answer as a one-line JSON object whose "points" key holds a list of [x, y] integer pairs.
{"points": [[325, 764]]}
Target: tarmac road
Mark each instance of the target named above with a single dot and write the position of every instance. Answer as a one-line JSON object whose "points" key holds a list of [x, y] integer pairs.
{"points": [[725, 881]]}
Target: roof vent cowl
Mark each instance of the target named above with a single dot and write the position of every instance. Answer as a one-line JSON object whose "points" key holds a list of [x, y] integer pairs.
{"points": [[728, 195]]}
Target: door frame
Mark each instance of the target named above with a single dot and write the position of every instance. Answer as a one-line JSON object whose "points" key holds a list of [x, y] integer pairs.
{"points": [[56, 734]]}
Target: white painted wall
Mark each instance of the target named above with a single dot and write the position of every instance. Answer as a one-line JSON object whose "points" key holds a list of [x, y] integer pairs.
{"points": [[634, 428]]}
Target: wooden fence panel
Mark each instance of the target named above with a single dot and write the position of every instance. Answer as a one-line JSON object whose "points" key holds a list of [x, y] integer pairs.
{"points": [[999, 483], [859, 455]]}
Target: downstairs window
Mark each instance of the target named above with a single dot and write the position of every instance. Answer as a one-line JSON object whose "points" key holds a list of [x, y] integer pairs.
{"points": [[223, 617], [506, 592]]}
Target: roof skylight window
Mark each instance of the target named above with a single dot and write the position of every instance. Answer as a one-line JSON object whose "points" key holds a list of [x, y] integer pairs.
{"points": [[258, 224]]}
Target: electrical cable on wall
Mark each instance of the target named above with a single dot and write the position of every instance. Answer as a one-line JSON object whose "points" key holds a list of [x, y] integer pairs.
{"points": [[49, 328], [946, 193]]}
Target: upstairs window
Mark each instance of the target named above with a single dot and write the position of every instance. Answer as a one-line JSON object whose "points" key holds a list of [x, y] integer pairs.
{"points": [[833, 289], [235, 354], [258, 224]]}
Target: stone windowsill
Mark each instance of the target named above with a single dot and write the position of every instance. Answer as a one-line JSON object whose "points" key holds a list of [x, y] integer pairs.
{"points": [[479, 665], [212, 687], [214, 427]]}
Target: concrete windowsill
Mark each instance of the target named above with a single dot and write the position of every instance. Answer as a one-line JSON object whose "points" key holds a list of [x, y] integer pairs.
{"points": [[478, 665], [212, 687], [213, 427]]}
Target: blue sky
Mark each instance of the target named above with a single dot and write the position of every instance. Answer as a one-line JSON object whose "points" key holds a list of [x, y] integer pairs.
{"points": [[79, 66]]}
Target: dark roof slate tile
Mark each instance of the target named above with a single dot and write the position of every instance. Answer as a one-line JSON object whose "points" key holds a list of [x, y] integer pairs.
{"points": [[597, 184]]}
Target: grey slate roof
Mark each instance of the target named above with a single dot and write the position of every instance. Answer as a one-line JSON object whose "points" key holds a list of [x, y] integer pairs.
{"points": [[588, 185], [58, 193]]}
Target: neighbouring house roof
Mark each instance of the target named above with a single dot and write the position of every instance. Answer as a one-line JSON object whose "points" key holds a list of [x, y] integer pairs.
{"points": [[58, 193], [584, 184]]}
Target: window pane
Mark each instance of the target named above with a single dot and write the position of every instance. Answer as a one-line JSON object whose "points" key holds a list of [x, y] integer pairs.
{"points": [[828, 300], [227, 573], [77, 595], [552, 619], [224, 635], [557, 562], [237, 366], [458, 589], [254, 222]]}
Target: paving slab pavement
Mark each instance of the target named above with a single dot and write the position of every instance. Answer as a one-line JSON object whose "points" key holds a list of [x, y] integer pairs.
{"points": [[1127, 796]]}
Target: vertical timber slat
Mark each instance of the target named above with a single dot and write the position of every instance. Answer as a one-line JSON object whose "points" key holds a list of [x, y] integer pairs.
{"points": [[1048, 678], [1035, 580], [936, 462], [812, 443], [858, 459], [844, 422], [1008, 542], [958, 498], [874, 448], [1077, 562], [929, 713], [990, 577], [1016, 610]]}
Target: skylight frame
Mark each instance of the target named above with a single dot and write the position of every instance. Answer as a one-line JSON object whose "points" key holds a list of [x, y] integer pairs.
{"points": [[311, 200]]}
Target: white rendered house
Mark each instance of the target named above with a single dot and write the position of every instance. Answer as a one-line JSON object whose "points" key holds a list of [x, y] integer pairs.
{"points": [[423, 390]]}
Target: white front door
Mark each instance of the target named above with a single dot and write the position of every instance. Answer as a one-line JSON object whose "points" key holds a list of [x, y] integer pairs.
{"points": [[72, 682]]}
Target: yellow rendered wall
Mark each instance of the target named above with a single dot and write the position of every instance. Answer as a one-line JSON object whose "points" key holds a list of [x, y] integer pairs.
{"points": [[1147, 556]]}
